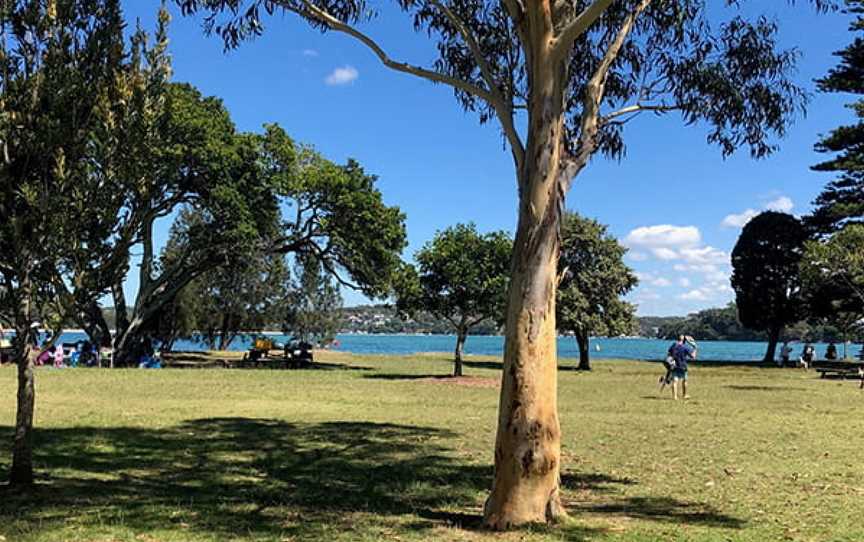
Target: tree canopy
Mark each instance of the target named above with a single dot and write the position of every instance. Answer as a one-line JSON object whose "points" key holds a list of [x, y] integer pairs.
{"points": [[460, 276], [765, 274], [842, 200], [593, 279]]}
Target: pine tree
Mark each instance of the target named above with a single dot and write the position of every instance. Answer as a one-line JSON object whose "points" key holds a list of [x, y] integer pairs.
{"points": [[842, 200]]}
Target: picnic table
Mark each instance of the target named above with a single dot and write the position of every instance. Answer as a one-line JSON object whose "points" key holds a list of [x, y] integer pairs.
{"points": [[264, 353], [838, 368]]}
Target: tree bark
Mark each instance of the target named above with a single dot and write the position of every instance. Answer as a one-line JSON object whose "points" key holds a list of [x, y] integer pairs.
{"points": [[21, 474], [584, 354], [773, 339], [528, 443], [461, 335], [95, 325]]}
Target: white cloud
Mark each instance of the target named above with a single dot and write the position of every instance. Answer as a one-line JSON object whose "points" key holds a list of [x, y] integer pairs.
{"points": [[661, 282], [684, 282], [782, 204], [342, 76], [704, 255], [663, 253], [739, 220], [694, 295], [637, 256], [664, 235], [310, 53]]}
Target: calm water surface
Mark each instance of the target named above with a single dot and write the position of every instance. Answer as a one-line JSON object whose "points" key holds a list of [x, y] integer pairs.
{"points": [[493, 346]]}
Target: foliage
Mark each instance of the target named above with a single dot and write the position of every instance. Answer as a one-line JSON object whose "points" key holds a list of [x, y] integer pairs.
{"points": [[832, 273], [460, 276], [730, 76], [310, 310], [593, 279], [765, 273], [842, 200]]}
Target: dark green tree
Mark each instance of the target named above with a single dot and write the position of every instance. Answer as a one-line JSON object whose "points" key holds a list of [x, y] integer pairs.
{"points": [[311, 308], [593, 279], [842, 200], [460, 276], [59, 60], [568, 76], [765, 274]]}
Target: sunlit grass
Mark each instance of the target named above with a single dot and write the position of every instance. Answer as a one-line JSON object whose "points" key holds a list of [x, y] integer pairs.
{"points": [[372, 449]]}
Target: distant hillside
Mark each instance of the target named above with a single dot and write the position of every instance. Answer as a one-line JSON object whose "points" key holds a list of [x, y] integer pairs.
{"points": [[383, 319]]}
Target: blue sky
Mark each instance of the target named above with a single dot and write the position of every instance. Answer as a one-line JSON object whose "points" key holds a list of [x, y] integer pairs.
{"points": [[673, 200]]}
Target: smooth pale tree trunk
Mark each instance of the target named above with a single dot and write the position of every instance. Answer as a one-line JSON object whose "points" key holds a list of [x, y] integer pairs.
{"points": [[773, 339], [584, 354], [461, 335], [528, 443], [21, 474]]}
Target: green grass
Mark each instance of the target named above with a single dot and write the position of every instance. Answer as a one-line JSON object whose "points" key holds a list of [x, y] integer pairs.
{"points": [[370, 451]]}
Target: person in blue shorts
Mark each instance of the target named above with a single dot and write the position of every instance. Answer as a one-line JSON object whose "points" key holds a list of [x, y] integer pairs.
{"points": [[682, 352]]}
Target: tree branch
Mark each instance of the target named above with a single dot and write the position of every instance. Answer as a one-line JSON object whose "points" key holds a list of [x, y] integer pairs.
{"points": [[567, 36], [502, 106], [594, 92], [314, 12], [504, 112], [638, 108]]}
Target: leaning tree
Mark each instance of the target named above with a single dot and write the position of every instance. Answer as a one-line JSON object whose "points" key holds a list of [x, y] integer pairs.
{"points": [[563, 78]]}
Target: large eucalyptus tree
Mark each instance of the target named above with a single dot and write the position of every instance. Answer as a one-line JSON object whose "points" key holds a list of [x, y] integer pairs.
{"points": [[563, 77]]}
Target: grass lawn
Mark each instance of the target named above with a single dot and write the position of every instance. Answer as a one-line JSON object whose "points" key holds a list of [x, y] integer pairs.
{"points": [[374, 449]]}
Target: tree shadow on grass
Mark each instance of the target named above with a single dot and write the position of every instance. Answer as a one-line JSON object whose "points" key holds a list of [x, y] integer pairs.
{"points": [[663, 509], [267, 479], [739, 387], [398, 377], [226, 476]]}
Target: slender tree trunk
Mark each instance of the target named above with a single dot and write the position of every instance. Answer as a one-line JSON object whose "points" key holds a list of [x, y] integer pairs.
{"points": [[225, 333], [528, 443], [584, 354], [461, 335], [21, 474], [121, 318], [773, 339]]}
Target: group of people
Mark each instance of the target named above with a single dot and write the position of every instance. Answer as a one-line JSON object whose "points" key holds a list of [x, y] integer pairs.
{"points": [[678, 356], [808, 354], [82, 353]]}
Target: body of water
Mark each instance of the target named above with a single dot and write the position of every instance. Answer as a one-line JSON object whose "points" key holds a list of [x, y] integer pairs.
{"points": [[601, 348]]}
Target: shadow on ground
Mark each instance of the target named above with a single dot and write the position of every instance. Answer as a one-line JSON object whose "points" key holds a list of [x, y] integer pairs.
{"points": [[268, 479], [739, 387]]}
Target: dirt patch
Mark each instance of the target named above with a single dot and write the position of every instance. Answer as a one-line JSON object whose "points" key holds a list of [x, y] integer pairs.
{"points": [[467, 381]]}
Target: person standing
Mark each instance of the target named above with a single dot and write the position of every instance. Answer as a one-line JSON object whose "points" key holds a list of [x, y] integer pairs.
{"points": [[682, 353], [831, 352], [669, 363]]}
